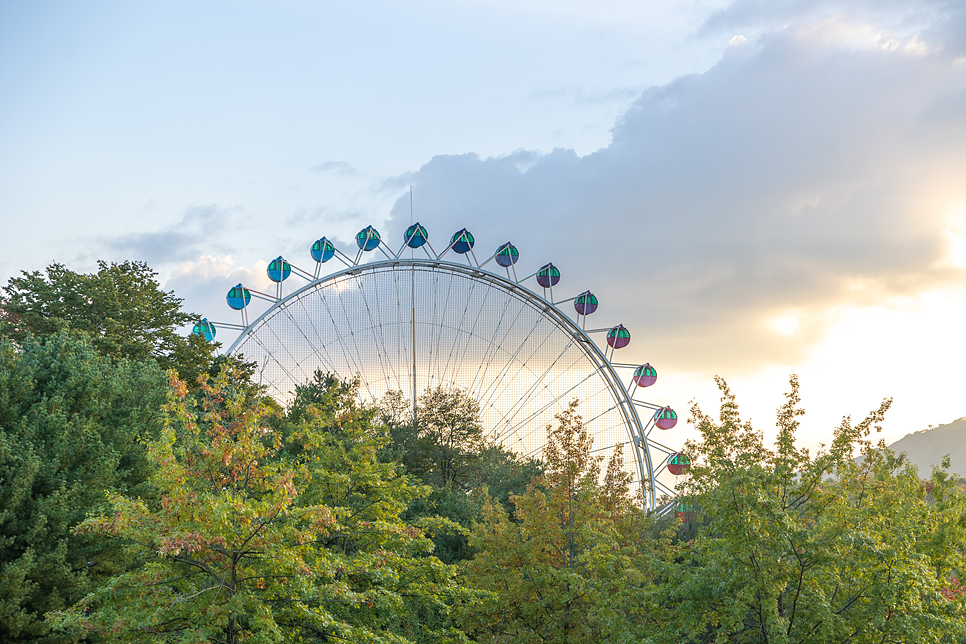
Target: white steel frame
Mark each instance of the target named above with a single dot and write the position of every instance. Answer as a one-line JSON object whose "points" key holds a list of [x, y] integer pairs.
{"points": [[638, 432]]}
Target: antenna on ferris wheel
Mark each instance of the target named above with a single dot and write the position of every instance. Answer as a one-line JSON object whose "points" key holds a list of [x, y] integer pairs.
{"points": [[412, 285]]}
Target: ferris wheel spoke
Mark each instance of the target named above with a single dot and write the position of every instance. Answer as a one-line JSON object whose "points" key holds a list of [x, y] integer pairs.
{"points": [[605, 433], [284, 345], [438, 339], [591, 420], [352, 335], [534, 427], [507, 382], [348, 355], [546, 384], [473, 339], [401, 324], [379, 333], [501, 380], [379, 342], [324, 348], [281, 366], [434, 336], [458, 339], [402, 344], [538, 382], [439, 342], [561, 396], [492, 388], [317, 347], [453, 332], [590, 423], [593, 436], [494, 347], [601, 449], [298, 327]]}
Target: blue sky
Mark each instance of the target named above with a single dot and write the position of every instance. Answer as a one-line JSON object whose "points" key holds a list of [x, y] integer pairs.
{"points": [[754, 188]]}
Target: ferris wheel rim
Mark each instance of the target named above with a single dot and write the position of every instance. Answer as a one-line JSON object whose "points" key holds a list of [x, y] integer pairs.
{"points": [[626, 405]]}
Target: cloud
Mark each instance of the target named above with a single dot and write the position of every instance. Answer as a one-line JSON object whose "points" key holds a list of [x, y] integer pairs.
{"points": [[857, 23], [736, 211], [581, 96], [327, 213], [338, 167], [203, 283], [177, 242]]}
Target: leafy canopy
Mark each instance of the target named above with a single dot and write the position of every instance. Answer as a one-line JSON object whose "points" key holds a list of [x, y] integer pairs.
{"points": [[71, 426], [121, 307], [270, 529], [790, 547], [572, 562], [447, 451]]}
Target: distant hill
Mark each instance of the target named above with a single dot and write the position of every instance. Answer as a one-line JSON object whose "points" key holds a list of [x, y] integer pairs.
{"points": [[927, 448]]}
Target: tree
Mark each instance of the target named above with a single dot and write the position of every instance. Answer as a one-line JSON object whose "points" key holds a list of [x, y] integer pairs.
{"points": [[71, 426], [788, 547], [269, 530], [446, 450], [448, 422], [323, 390], [121, 307], [566, 567]]}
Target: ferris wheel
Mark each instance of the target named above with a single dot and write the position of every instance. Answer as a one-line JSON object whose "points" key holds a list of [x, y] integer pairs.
{"points": [[519, 346]]}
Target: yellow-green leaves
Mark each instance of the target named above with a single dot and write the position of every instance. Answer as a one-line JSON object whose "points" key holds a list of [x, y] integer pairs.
{"points": [[571, 565], [268, 529], [788, 547]]}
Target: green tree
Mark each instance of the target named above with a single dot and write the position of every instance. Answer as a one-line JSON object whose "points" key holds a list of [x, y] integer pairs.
{"points": [[269, 530], [566, 568], [323, 391], [446, 450], [71, 426], [448, 422], [790, 547], [121, 307]]}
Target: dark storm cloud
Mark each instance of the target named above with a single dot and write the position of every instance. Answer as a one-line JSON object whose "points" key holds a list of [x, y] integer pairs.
{"points": [[799, 174]]}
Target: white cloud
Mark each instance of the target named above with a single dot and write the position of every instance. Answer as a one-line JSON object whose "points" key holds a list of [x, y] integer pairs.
{"points": [[786, 324], [800, 173], [204, 283], [174, 242], [205, 268]]}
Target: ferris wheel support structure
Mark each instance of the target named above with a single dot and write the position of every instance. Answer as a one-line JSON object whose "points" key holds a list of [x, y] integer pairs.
{"points": [[517, 403]]}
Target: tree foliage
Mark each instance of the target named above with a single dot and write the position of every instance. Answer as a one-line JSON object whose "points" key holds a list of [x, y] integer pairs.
{"points": [[269, 530], [572, 563], [71, 422], [447, 451], [121, 307], [220, 516], [790, 547], [448, 421]]}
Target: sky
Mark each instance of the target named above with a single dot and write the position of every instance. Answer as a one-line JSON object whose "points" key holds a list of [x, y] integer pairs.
{"points": [[753, 188]]}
